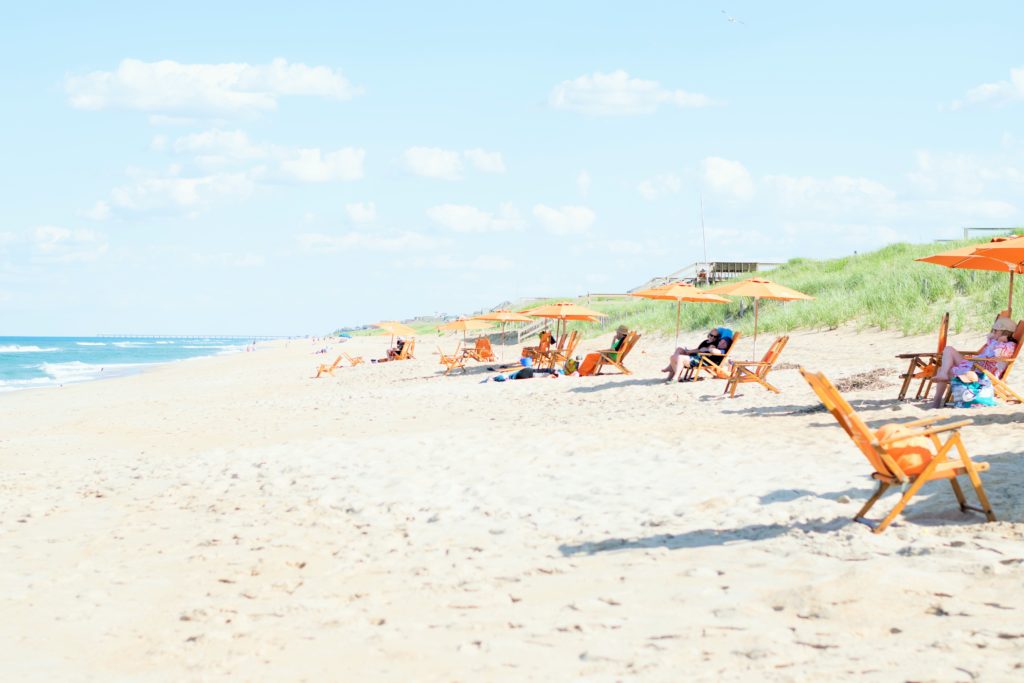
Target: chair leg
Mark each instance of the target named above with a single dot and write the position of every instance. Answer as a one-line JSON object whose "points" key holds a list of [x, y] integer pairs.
{"points": [[859, 517], [907, 379], [958, 492], [911, 492], [972, 474]]}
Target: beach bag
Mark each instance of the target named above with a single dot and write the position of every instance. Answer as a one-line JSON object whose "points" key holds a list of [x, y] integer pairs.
{"points": [[571, 366], [912, 454], [971, 394]]}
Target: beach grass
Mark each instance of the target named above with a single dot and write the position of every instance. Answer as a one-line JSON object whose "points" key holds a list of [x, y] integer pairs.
{"points": [[884, 289]]}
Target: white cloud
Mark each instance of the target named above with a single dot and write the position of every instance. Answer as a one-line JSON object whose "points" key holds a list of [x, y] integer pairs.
{"points": [[488, 162], [839, 194], [100, 211], [53, 244], [161, 193], [361, 212], [312, 166], [353, 241], [218, 146], [659, 186], [167, 86], [616, 94], [583, 183], [964, 175], [434, 162], [566, 220], [729, 178], [999, 92], [465, 218], [7, 238]]}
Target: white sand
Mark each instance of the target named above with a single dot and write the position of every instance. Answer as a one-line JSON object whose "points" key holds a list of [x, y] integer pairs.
{"points": [[232, 519]]}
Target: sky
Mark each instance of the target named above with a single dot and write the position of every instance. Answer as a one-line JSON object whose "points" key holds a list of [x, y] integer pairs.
{"points": [[256, 168]]}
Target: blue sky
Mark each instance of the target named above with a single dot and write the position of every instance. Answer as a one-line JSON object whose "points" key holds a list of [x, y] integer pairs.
{"points": [[249, 168]]}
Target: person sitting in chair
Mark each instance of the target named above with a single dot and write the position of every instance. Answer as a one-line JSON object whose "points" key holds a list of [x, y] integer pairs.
{"points": [[998, 344], [395, 352], [716, 344]]}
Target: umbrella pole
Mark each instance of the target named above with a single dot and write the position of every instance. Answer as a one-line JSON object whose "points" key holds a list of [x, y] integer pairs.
{"points": [[756, 300], [679, 309], [1009, 306]]}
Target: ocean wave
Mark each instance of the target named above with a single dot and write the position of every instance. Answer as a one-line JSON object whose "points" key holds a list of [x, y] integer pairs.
{"points": [[91, 343], [77, 371], [14, 348], [32, 383]]}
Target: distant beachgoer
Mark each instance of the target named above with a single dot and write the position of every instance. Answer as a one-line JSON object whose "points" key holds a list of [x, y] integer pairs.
{"points": [[998, 345], [589, 363]]}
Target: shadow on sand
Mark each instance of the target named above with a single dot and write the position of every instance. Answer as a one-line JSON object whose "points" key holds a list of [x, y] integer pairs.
{"points": [[702, 538]]}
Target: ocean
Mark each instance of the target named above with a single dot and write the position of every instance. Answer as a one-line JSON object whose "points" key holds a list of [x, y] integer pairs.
{"points": [[35, 362]]}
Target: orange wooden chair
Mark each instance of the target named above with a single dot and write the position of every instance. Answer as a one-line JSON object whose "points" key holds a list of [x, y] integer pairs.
{"points": [[907, 455], [455, 361], [1002, 390], [481, 351], [407, 349], [923, 365], [616, 357], [353, 361], [744, 371], [706, 364], [553, 357], [325, 369]]}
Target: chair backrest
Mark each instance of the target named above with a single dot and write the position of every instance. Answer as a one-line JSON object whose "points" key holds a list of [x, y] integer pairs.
{"points": [[943, 333], [851, 422], [406, 351], [627, 345], [772, 355], [337, 362], [561, 342], [483, 345], [544, 346], [570, 346]]}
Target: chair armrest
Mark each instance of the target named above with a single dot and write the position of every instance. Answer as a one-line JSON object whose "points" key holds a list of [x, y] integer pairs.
{"points": [[922, 421], [928, 432], [749, 362], [931, 354]]}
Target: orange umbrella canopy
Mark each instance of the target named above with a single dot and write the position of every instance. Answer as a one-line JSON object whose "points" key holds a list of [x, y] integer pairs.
{"points": [[1003, 254], [680, 292], [464, 324], [503, 315], [759, 288], [566, 310], [396, 328]]}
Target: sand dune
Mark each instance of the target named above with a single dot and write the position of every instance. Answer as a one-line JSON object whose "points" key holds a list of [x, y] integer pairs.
{"points": [[231, 518]]}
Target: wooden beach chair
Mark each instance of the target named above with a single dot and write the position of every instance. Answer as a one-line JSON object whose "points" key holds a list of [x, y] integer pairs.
{"points": [[892, 461], [923, 365], [617, 356], [538, 351], [1000, 387], [452, 362], [553, 357], [481, 351], [407, 349], [744, 371], [707, 365], [325, 369], [353, 361]]}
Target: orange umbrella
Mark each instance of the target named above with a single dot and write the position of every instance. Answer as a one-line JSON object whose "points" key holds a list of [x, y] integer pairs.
{"points": [[1004, 254], [463, 324], [680, 292], [503, 316], [759, 288], [563, 311], [396, 328]]}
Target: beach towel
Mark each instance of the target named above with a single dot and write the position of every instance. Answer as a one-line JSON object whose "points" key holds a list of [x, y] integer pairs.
{"points": [[589, 364], [972, 394]]}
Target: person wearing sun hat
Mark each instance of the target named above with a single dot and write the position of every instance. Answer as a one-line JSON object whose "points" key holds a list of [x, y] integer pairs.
{"points": [[998, 344], [717, 342]]}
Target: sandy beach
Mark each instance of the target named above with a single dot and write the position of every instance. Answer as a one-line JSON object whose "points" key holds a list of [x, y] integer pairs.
{"points": [[231, 518]]}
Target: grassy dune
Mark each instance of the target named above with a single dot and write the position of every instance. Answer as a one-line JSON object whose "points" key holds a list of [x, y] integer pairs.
{"points": [[883, 289]]}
